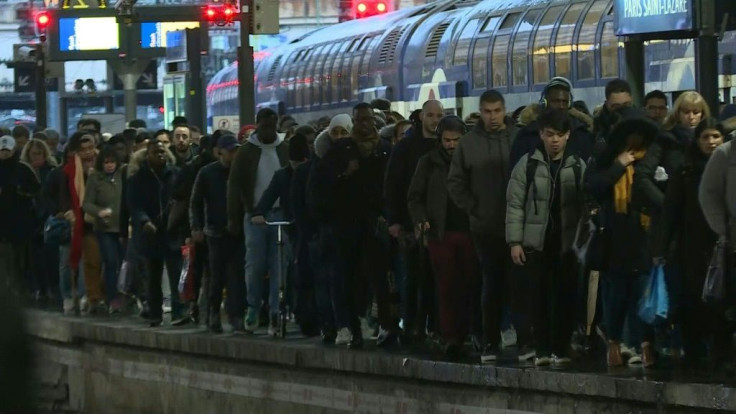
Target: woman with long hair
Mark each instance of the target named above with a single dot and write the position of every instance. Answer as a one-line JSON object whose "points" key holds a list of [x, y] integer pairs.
{"points": [[45, 258]]}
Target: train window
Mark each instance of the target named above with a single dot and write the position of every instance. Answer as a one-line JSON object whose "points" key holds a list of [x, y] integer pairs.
{"points": [[311, 75], [542, 41], [609, 52], [353, 43], [354, 77], [326, 74], [510, 21], [337, 73], [480, 62], [345, 81], [462, 47], [490, 24], [364, 42], [500, 53], [519, 60], [586, 40], [368, 55], [564, 45]]}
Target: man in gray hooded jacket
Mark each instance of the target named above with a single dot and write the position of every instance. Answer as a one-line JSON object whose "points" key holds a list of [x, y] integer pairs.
{"points": [[477, 183]]}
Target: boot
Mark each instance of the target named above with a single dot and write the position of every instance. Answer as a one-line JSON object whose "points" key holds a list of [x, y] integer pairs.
{"points": [[614, 354], [647, 355]]}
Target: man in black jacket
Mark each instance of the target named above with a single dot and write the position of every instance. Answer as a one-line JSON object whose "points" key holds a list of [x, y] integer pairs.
{"points": [[208, 219], [149, 196], [401, 166]]}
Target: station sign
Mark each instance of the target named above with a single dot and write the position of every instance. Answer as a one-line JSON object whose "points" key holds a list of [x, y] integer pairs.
{"points": [[635, 17]]}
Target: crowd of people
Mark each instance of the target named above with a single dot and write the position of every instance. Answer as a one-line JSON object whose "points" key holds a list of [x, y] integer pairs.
{"points": [[546, 221]]}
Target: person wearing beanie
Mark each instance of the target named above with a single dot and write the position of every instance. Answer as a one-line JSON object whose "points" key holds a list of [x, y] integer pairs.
{"points": [[340, 126]]}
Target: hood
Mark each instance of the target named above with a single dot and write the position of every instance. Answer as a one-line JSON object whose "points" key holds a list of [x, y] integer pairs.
{"points": [[342, 120], [253, 139], [387, 132], [138, 157], [633, 121], [531, 113], [322, 144]]}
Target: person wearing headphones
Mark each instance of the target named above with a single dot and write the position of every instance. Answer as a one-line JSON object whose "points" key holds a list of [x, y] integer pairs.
{"points": [[557, 94], [446, 229]]}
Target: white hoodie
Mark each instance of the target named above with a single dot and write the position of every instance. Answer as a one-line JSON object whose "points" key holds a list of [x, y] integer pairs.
{"points": [[268, 164]]}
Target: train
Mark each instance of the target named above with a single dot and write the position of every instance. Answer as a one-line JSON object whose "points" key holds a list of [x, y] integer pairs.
{"points": [[453, 51]]}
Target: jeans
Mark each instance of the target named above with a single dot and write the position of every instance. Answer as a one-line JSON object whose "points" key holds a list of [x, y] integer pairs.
{"points": [[66, 283], [495, 260], [155, 268], [621, 294], [111, 252], [226, 269], [261, 258], [456, 269]]}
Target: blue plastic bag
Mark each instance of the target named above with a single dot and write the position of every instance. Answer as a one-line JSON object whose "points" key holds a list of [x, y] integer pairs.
{"points": [[654, 303]]}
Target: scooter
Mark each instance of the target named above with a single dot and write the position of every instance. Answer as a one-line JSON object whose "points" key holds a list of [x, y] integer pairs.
{"points": [[284, 269]]}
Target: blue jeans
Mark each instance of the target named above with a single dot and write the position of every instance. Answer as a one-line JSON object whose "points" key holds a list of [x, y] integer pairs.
{"points": [[65, 275], [261, 258], [111, 252]]}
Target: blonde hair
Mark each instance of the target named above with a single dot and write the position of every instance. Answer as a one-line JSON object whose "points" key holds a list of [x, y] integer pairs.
{"points": [[25, 155], [687, 99]]}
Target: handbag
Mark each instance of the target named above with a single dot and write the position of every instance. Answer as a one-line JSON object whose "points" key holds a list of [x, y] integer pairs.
{"points": [[714, 287], [57, 231], [123, 277], [654, 304]]}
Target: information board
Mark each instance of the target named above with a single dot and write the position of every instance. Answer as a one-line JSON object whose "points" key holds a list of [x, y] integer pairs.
{"points": [[153, 34], [88, 33], [635, 17]]}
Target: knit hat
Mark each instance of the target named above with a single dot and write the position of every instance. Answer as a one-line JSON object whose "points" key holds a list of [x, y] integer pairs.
{"points": [[342, 120]]}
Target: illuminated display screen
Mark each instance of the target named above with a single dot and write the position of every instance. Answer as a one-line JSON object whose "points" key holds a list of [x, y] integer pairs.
{"points": [[88, 33], [652, 16], [154, 34]]}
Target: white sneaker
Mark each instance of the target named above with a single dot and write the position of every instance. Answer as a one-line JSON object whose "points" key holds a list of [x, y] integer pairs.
{"points": [[525, 354], [560, 361], [542, 361], [627, 351], [83, 305], [343, 336], [634, 359], [508, 338], [68, 307]]}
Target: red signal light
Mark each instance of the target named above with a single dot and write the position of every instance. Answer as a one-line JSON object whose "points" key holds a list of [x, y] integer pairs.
{"points": [[362, 8], [368, 8], [381, 7], [43, 20], [210, 13]]}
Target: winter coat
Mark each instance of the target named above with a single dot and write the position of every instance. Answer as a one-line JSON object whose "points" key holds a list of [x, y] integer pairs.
{"points": [[478, 177], [278, 189], [208, 206], [242, 181], [149, 200], [580, 142], [304, 222], [103, 191], [182, 193], [401, 166], [528, 204], [623, 239], [668, 151], [682, 220], [18, 187], [428, 198], [717, 194]]}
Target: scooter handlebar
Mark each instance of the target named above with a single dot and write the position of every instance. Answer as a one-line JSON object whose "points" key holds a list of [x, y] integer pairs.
{"points": [[279, 223]]}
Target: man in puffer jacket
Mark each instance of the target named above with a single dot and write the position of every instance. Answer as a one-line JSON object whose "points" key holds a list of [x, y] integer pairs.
{"points": [[544, 204]]}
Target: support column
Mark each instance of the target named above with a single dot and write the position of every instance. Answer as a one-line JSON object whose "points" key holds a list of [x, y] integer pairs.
{"points": [[129, 72], [246, 86], [706, 55], [635, 73]]}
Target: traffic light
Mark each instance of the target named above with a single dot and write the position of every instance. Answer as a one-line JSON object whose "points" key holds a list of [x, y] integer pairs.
{"points": [[43, 21], [368, 8], [220, 14]]}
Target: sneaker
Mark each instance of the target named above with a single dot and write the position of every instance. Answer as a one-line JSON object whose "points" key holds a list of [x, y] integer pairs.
{"points": [[490, 354], [525, 354], [542, 361], [343, 336], [560, 360], [627, 351], [83, 305], [634, 359], [68, 307], [508, 338], [237, 325], [252, 320], [475, 341]]}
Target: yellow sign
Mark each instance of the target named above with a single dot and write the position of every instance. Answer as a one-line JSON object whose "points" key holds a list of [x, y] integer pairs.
{"points": [[83, 4]]}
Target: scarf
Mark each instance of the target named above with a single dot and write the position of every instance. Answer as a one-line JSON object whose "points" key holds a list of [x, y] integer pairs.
{"points": [[622, 190], [75, 179]]}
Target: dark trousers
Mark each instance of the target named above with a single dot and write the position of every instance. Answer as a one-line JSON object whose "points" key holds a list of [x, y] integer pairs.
{"points": [[495, 260], [419, 287], [456, 271], [155, 270], [305, 307], [200, 265], [45, 266], [621, 293], [111, 252], [321, 286], [546, 284], [226, 269]]}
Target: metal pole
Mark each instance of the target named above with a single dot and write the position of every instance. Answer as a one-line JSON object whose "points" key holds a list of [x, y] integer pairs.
{"points": [[634, 55], [706, 55], [195, 110], [130, 94], [41, 109], [246, 86]]}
